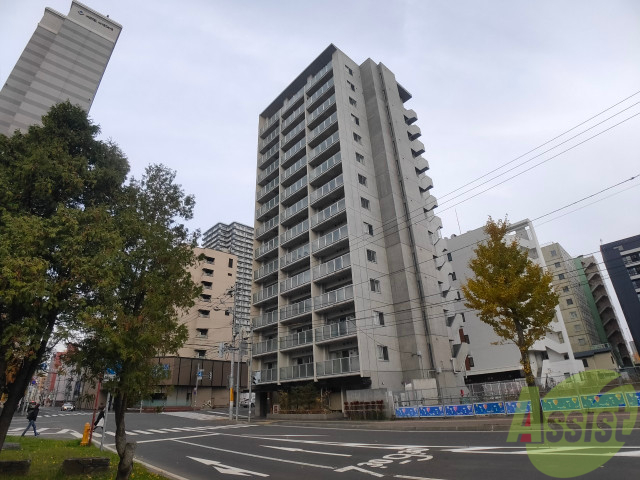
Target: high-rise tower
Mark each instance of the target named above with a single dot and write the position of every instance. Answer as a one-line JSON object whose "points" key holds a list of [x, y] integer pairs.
{"points": [[64, 60], [350, 279]]}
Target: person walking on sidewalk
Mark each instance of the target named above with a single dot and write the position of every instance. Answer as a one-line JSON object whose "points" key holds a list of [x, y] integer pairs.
{"points": [[32, 417], [100, 419]]}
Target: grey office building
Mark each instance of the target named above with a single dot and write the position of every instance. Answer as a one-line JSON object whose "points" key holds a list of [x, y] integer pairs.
{"points": [[236, 238], [64, 60], [351, 283], [622, 259]]}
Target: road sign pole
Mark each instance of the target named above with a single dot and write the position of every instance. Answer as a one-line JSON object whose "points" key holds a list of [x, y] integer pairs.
{"points": [[104, 422]]}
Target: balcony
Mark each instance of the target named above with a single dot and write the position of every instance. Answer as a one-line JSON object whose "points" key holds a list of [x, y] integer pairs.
{"points": [[324, 171], [322, 131], [267, 208], [294, 134], [294, 101], [296, 340], [323, 73], [327, 271], [332, 240], [330, 214], [328, 147], [295, 372], [266, 248], [294, 233], [296, 310], [328, 192], [337, 330], [262, 348], [413, 132], [421, 165], [295, 152], [269, 141], [425, 183], [268, 174], [339, 366], [295, 211], [265, 320], [268, 190], [410, 116], [296, 283], [266, 271], [294, 192], [269, 124], [265, 294], [295, 257], [267, 157], [417, 148], [332, 299], [269, 375], [294, 171], [320, 94], [322, 112], [291, 119], [263, 230]]}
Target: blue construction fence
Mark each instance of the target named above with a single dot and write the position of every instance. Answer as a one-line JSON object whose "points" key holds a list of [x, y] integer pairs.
{"points": [[577, 402]]}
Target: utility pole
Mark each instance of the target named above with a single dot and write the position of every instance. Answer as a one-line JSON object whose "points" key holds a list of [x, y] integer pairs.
{"points": [[250, 369], [195, 391]]}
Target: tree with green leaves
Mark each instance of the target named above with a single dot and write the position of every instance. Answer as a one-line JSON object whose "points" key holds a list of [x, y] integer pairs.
{"points": [[510, 292], [58, 183], [139, 319]]}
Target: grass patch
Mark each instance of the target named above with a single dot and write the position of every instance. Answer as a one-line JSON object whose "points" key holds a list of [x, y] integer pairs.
{"points": [[47, 456]]}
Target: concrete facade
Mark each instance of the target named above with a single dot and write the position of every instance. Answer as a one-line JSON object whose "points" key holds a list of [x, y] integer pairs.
{"points": [[236, 238], [349, 282], [487, 358], [64, 60], [622, 259]]}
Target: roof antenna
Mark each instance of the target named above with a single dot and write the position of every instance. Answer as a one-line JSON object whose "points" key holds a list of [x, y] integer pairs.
{"points": [[459, 229]]}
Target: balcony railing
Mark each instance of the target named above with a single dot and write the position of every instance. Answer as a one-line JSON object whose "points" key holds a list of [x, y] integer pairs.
{"points": [[303, 278], [269, 187], [296, 309], [271, 223], [326, 105], [325, 166], [291, 101], [333, 298], [272, 136], [267, 346], [266, 269], [293, 372], [267, 207], [299, 146], [268, 375], [332, 266], [321, 91], [296, 339], [292, 118], [270, 153], [296, 187], [318, 76], [295, 255], [265, 293], [270, 123], [335, 330], [270, 169], [265, 319], [326, 123], [327, 213], [330, 238], [326, 189], [325, 145], [339, 366], [292, 134], [294, 209], [294, 232], [294, 168], [266, 248]]}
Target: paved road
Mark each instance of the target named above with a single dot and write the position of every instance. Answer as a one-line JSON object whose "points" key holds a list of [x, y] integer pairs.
{"points": [[204, 445]]}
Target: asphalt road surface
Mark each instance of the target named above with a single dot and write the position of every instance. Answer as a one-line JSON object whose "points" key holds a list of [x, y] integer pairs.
{"points": [[204, 445]]}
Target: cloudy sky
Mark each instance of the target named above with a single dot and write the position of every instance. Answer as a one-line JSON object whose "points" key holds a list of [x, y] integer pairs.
{"points": [[491, 81]]}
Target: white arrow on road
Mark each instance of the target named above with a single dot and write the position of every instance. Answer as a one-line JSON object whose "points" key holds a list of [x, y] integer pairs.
{"points": [[290, 449], [226, 469]]}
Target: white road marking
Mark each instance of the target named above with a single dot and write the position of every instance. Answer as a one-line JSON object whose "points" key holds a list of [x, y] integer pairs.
{"points": [[289, 449], [245, 454], [130, 433], [156, 431], [226, 469], [142, 432]]}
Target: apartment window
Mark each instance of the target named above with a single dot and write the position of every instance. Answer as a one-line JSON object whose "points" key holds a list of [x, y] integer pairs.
{"points": [[582, 341], [364, 203], [468, 363], [357, 138], [210, 260], [351, 86], [371, 256], [577, 328], [205, 298], [362, 180], [349, 71], [449, 257], [453, 276], [554, 253], [200, 353], [569, 301], [561, 276], [207, 273], [557, 264], [378, 318], [203, 313], [463, 318], [231, 263], [227, 313], [585, 362], [383, 353], [368, 228], [573, 314], [202, 332], [374, 285], [352, 102], [565, 289], [355, 119], [359, 158], [207, 285]]}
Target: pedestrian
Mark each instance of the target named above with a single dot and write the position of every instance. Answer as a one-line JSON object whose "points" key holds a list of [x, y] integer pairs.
{"points": [[32, 416], [100, 419]]}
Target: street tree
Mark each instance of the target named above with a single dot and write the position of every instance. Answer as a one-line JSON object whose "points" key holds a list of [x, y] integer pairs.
{"points": [[57, 186], [139, 319], [510, 292]]}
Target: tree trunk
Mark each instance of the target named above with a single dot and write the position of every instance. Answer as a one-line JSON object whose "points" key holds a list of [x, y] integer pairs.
{"points": [[125, 450]]}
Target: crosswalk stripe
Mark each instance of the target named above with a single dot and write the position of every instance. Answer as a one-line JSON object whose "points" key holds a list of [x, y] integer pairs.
{"points": [[142, 432], [130, 433], [156, 431]]}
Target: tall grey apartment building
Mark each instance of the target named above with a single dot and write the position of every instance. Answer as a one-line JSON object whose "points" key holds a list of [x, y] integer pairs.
{"points": [[351, 284], [236, 238], [64, 60]]}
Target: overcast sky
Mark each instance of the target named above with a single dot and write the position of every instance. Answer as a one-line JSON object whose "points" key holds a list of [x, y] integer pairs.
{"points": [[490, 81]]}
